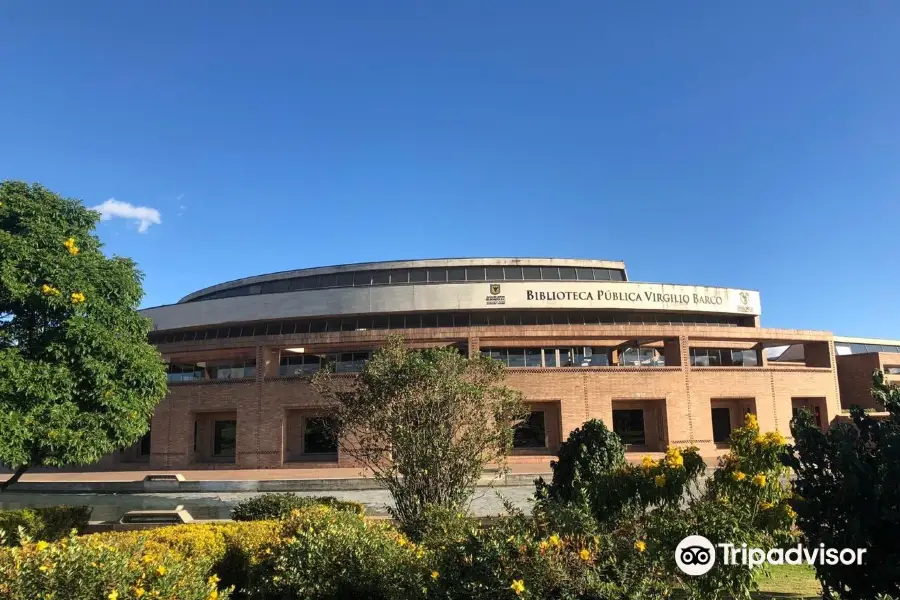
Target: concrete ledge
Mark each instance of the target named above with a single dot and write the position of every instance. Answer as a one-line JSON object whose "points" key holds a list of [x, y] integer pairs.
{"points": [[225, 486]]}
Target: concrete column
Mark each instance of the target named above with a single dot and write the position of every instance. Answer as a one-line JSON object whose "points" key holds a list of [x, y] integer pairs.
{"points": [[474, 346]]}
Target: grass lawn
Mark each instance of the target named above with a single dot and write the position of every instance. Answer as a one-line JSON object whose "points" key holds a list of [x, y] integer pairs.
{"points": [[789, 581]]}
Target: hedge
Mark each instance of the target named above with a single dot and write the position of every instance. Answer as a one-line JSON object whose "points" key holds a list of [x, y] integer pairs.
{"points": [[48, 524], [279, 506]]}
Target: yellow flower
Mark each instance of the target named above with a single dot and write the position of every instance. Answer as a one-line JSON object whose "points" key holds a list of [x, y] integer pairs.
{"points": [[41, 546], [139, 592], [585, 554], [774, 438], [640, 545], [160, 570], [554, 540], [49, 290], [70, 246], [543, 545], [43, 568], [113, 595], [738, 476], [660, 480], [402, 541], [759, 480], [750, 421], [759, 439], [791, 513], [213, 579], [77, 297], [147, 558], [766, 505], [647, 462], [435, 574], [213, 595], [518, 586], [674, 459]]}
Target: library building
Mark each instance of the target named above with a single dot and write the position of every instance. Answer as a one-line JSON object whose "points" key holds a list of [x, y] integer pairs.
{"points": [[661, 364]]}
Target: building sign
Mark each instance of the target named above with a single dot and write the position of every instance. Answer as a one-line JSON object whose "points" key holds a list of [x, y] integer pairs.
{"points": [[495, 298]]}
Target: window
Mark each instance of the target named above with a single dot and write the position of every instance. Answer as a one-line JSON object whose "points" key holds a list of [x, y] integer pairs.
{"points": [[815, 410], [615, 275], [721, 422], [515, 357], [351, 362], [722, 357], [381, 277], [495, 273], [236, 369], [591, 357], [532, 273], [299, 364], [456, 274], [635, 356], [513, 273], [533, 357], [550, 273], [344, 279], [144, 449], [601, 274], [531, 433], [319, 436], [550, 357], [224, 438], [475, 273], [628, 424], [567, 273], [437, 275], [182, 373], [418, 276], [892, 370]]}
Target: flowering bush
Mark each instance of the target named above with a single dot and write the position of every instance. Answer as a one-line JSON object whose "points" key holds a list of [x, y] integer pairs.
{"points": [[48, 523], [752, 478], [279, 506], [329, 554], [88, 569]]}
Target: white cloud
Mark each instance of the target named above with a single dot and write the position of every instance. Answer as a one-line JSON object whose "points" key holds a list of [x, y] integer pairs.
{"points": [[144, 215]]}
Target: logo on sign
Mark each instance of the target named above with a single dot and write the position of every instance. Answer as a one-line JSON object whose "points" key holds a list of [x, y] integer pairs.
{"points": [[495, 298], [745, 298]]}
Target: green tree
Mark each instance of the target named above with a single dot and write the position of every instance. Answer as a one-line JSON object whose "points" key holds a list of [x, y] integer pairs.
{"points": [[424, 422], [848, 494], [78, 378]]}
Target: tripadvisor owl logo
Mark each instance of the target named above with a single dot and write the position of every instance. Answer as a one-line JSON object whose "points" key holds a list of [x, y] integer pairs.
{"points": [[696, 555]]}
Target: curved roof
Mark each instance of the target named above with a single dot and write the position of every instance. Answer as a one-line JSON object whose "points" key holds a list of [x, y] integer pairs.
{"points": [[616, 265]]}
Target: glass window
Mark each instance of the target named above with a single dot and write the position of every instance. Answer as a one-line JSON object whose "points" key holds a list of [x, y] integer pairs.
{"points": [[418, 276], [479, 319], [456, 274], [858, 348], [348, 324], [494, 353], [144, 448], [380, 322], [842, 349], [550, 357], [224, 438], [567, 273], [515, 357], [475, 273], [396, 322], [494, 273], [413, 321], [721, 422], [381, 277], [629, 426], [327, 281], [550, 273], [750, 358], [533, 357], [319, 435], [437, 274], [615, 275], [544, 318], [254, 289], [345, 279], [513, 273], [892, 370], [531, 432], [531, 273], [317, 326], [399, 276], [429, 320], [601, 274], [629, 357], [584, 274], [461, 320], [362, 278]]}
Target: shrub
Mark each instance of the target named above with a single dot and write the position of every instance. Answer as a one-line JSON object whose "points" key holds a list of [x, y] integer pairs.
{"points": [[86, 569], [329, 554], [424, 422], [848, 494], [752, 478], [279, 506], [48, 523], [591, 476]]}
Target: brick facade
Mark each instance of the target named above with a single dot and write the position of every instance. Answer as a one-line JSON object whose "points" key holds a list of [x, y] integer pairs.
{"points": [[676, 400]]}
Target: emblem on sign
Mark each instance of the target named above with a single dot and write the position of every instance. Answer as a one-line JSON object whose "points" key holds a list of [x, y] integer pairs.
{"points": [[495, 297], [495, 289], [745, 298]]}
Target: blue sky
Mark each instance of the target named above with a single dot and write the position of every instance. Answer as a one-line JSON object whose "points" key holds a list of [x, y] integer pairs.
{"points": [[750, 145]]}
